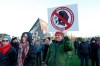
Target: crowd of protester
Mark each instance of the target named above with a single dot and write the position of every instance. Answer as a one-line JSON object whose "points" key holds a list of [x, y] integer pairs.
{"points": [[47, 51], [88, 50]]}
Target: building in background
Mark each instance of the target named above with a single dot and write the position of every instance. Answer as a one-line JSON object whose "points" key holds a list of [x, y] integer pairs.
{"points": [[39, 29]]}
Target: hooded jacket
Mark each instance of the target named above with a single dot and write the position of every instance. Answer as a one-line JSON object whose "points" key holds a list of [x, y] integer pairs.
{"points": [[94, 50], [30, 58], [15, 45]]}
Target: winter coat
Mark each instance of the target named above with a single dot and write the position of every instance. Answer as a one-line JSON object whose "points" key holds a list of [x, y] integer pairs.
{"points": [[84, 48], [94, 50], [57, 53], [45, 48], [38, 46], [9, 59], [76, 44], [30, 59], [15, 45]]}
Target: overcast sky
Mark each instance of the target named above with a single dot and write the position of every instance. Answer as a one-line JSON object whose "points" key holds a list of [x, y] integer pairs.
{"points": [[17, 16]]}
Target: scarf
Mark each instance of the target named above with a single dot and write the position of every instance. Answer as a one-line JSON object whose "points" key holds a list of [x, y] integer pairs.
{"points": [[23, 50], [5, 49]]}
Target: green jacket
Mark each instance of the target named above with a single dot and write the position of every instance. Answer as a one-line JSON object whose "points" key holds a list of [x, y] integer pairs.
{"points": [[57, 52]]}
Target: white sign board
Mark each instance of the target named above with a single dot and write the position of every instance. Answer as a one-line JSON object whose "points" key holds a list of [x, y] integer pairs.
{"points": [[64, 18]]}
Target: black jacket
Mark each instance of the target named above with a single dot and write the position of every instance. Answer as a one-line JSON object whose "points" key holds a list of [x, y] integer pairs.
{"points": [[30, 57], [94, 50], [15, 45], [76, 44], [84, 48], [45, 48], [9, 59]]}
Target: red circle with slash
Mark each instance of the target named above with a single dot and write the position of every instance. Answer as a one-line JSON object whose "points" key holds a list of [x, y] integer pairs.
{"points": [[68, 24]]}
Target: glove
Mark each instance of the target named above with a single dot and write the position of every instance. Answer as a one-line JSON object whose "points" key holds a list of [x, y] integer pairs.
{"points": [[66, 38]]}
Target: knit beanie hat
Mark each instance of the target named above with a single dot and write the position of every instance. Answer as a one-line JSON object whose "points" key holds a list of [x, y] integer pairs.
{"points": [[8, 37], [14, 38], [58, 32]]}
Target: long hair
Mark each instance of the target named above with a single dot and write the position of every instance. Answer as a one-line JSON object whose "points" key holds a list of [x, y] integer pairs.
{"points": [[29, 37]]}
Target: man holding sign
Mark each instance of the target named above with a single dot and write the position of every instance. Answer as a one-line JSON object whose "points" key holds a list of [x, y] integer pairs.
{"points": [[57, 50]]}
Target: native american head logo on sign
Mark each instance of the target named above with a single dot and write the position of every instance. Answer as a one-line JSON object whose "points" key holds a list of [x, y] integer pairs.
{"points": [[62, 18]]}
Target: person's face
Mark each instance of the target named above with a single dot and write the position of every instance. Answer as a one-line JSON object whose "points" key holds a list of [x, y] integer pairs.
{"points": [[47, 41], [32, 41], [5, 42], [15, 40], [58, 37], [25, 37]]}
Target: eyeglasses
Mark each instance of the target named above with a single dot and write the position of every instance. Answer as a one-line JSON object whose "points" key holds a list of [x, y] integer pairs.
{"points": [[5, 40]]}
